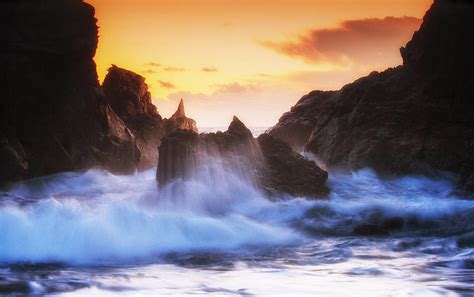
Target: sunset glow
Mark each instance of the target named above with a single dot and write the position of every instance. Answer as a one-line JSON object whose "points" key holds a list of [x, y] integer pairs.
{"points": [[250, 58]]}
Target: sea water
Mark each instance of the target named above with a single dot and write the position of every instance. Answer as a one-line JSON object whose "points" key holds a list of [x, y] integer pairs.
{"points": [[93, 232]]}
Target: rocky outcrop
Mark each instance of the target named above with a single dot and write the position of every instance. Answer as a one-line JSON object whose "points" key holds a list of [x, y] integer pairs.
{"points": [[53, 115], [295, 127], [286, 171], [179, 121], [184, 152], [266, 162], [127, 93], [418, 117]]}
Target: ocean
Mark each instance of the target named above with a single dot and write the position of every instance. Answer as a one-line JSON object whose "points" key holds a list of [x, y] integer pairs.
{"points": [[95, 233]]}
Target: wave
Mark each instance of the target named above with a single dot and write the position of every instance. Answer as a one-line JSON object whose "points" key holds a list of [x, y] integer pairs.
{"points": [[98, 217], [362, 203]]}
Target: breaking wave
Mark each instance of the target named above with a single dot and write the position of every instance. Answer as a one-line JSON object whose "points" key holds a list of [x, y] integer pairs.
{"points": [[95, 216]]}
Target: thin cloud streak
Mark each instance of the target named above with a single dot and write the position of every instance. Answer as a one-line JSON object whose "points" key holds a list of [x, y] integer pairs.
{"points": [[153, 64], [209, 69], [174, 69], [166, 84]]}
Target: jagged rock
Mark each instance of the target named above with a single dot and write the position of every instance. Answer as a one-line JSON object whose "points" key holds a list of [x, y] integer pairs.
{"points": [[286, 171], [52, 104], [271, 164], [184, 151], [127, 93], [179, 121], [417, 117], [295, 127]]}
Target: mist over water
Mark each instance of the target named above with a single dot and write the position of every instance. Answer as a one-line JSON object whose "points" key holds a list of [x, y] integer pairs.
{"points": [[95, 232]]}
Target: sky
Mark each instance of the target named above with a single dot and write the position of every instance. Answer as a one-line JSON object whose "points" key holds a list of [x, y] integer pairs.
{"points": [[250, 58]]}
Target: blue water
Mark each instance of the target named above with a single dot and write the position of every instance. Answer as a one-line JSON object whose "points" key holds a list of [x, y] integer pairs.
{"points": [[97, 233]]}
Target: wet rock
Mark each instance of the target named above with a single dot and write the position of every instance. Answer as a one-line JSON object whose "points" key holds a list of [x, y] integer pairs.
{"points": [[267, 162], [466, 240], [286, 171], [370, 230], [176, 156], [184, 151], [127, 93], [379, 226], [415, 118], [179, 121], [395, 223]]}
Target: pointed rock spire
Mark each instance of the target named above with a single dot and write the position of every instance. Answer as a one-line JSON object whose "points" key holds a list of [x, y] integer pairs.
{"points": [[180, 111], [236, 127], [179, 121]]}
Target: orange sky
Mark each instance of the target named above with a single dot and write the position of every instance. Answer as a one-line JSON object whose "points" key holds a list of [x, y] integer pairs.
{"points": [[252, 58]]}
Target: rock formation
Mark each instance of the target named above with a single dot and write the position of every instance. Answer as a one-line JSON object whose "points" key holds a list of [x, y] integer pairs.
{"points": [[127, 93], [286, 171], [268, 163], [179, 121], [417, 117], [53, 113]]}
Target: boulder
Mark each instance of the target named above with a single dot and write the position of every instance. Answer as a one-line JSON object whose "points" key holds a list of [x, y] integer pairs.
{"points": [[265, 162], [415, 118]]}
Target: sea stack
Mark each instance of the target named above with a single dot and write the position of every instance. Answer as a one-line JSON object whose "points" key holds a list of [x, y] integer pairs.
{"points": [[179, 121], [266, 162]]}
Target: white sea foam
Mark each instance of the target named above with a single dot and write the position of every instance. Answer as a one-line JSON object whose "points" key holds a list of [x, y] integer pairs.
{"points": [[95, 216]]}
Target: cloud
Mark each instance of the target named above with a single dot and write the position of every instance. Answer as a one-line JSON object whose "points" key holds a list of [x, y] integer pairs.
{"points": [[236, 88], [209, 69], [166, 84], [321, 80], [153, 64], [371, 41], [149, 71], [174, 69]]}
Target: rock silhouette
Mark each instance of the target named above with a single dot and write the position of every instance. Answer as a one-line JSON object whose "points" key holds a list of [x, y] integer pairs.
{"points": [[53, 113], [415, 118]]}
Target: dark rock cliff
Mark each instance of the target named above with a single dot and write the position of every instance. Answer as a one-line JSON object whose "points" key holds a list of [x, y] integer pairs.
{"points": [[53, 113], [418, 117]]}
